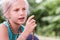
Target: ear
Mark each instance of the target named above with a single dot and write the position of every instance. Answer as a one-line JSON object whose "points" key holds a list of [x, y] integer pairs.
{"points": [[7, 15]]}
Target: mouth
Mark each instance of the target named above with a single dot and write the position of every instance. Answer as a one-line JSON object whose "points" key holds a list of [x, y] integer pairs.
{"points": [[22, 19]]}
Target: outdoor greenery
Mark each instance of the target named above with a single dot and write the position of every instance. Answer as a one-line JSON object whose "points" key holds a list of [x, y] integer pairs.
{"points": [[47, 16]]}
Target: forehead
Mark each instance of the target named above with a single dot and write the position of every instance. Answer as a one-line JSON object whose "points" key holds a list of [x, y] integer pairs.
{"points": [[19, 4]]}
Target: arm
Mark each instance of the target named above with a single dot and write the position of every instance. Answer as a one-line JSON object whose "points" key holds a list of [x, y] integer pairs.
{"points": [[3, 32], [30, 25], [23, 36]]}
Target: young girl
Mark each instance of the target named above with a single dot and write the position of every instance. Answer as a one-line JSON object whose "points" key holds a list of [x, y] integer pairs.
{"points": [[15, 12]]}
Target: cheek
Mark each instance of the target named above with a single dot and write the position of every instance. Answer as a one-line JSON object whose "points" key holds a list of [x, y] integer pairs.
{"points": [[25, 15], [13, 15]]}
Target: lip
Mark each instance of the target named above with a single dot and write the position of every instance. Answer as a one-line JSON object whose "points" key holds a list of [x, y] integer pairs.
{"points": [[21, 19]]}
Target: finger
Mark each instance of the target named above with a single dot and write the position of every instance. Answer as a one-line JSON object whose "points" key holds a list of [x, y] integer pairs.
{"points": [[34, 26], [30, 17], [32, 21]]}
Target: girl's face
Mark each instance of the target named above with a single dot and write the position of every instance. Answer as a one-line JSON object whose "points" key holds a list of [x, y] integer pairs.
{"points": [[18, 12]]}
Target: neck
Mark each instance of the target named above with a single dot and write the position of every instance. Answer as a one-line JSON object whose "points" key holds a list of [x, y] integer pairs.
{"points": [[14, 26]]}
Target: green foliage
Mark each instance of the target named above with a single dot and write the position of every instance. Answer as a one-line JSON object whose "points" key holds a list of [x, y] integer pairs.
{"points": [[47, 15], [1, 17]]}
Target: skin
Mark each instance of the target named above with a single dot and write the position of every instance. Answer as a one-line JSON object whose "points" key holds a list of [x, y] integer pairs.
{"points": [[17, 15]]}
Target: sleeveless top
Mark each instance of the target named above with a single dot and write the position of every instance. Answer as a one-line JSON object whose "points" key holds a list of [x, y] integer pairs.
{"points": [[11, 35]]}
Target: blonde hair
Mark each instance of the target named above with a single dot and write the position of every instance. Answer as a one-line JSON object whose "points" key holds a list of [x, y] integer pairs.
{"points": [[5, 5]]}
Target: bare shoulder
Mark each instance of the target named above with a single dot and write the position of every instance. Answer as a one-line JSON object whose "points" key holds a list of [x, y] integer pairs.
{"points": [[3, 32], [3, 27]]}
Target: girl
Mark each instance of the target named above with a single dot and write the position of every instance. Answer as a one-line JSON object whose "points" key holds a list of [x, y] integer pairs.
{"points": [[15, 12]]}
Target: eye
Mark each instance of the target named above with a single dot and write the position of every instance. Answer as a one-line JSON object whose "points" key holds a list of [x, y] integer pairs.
{"points": [[16, 10], [24, 9]]}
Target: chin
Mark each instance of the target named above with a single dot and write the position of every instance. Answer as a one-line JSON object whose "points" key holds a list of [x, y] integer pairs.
{"points": [[21, 22]]}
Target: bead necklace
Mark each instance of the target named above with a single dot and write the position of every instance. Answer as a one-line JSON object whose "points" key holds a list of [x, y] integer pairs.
{"points": [[19, 30]]}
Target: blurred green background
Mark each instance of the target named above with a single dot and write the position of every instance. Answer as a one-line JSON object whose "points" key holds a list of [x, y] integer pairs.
{"points": [[47, 16]]}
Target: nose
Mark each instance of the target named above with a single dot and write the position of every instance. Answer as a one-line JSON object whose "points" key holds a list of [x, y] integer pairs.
{"points": [[21, 12]]}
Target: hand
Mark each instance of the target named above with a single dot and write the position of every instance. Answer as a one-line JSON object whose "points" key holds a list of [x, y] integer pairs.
{"points": [[30, 24]]}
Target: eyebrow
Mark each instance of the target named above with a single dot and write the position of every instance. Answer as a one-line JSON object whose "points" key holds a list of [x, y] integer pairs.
{"points": [[19, 8]]}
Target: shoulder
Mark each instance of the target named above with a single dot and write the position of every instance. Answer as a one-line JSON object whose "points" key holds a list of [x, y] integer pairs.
{"points": [[3, 32], [3, 27]]}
